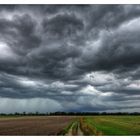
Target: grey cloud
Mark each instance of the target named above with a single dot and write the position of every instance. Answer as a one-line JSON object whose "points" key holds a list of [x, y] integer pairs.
{"points": [[81, 57], [63, 25], [111, 16], [29, 105]]}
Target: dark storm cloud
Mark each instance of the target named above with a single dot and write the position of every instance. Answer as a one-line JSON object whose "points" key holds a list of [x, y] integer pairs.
{"points": [[20, 33], [7, 7], [80, 57], [111, 16], [62, 26]]}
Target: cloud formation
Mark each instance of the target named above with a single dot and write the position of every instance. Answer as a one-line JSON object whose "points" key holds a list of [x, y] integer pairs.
{"points": [[69, 57]]}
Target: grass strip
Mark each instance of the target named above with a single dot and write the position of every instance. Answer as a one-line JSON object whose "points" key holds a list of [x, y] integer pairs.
{"points": [[66, 129]]}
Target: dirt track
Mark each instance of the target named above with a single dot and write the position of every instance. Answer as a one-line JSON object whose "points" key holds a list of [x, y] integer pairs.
{"points": [[78, 130]]}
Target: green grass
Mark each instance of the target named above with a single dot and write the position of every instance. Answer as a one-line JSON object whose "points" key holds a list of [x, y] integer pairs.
{"points": [[115, 125], [66, 129], [75, 128]]}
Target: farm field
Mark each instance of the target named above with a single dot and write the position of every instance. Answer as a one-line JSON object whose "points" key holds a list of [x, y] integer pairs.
{"points": [[114, 125], [104, 126], [36, 125], [71, 125]]}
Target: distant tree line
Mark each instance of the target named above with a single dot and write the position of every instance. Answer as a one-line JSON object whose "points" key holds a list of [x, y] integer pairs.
{"points": [[68, 113]]}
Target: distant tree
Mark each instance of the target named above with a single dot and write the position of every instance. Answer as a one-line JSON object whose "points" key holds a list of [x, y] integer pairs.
{"points": [[37, 113], [16, 113], [24, 113]]}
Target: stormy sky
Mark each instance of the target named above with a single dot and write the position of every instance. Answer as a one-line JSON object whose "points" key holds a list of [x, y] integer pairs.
{"points": [[69, 58]]}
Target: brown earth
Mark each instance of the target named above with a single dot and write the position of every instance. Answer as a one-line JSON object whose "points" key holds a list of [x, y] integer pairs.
{"points": [[37, 125]]}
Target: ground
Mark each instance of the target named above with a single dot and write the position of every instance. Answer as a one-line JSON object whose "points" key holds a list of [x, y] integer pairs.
{"points": [[36, 125], [70, 125]]}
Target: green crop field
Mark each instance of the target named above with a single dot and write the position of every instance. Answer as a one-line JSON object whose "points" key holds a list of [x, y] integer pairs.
{"points": [[115, 125]]}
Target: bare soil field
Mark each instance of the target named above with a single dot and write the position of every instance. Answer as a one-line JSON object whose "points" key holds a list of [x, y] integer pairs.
{"points": [[37, 125]]}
